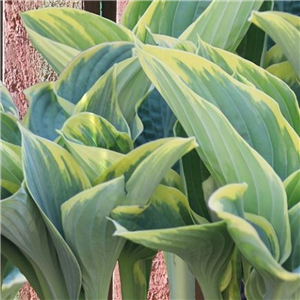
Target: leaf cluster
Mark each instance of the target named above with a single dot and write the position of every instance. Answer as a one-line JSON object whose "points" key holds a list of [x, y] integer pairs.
{"points": [[89, 176]]}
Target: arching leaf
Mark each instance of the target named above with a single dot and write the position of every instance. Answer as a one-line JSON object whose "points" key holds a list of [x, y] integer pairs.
{"points": [[227, 156], [228, 204], [276, 25], [223, 24], [11, 169], [51, 175], [10, 132], [133, 12], [145, 167], [259, 77], [90, 234], [7, 104], [92, 130], [83, 71], [270, 135], [45, 115], [169, 17], [23, 225], [64, 32], [94, 161], [292, 188]]}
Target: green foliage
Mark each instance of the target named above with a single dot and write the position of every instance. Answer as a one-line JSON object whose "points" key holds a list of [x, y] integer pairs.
{"points": [[77, 193]]}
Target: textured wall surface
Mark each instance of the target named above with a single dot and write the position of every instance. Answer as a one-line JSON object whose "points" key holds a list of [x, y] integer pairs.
{"points": [[25, 67]]}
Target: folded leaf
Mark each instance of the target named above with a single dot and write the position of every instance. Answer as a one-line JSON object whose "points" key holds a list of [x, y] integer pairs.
{"points": [[84, 71], [259, 77], [286, 73], [196, 245], [64, 32], [228, 202], [23, 225], [253, 45], [293, 262], [268, 134], [45, 115], [227, 156], [223, 24], [133, 12], [11, 253], [135, 263], [292, 188], [145, 167], [102, 100], [132, 87], [170, 42], [167, 208], [10, 132], [157, 117], [51, 174], [277, 27], [92, 130], [93, 160], [194, 173], [11, 169], [7, 104], [274, 56], [169, 17], [89, 234]]}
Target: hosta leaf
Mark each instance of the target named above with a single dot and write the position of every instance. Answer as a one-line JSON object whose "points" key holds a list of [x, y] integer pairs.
{"points": [[10, 132], [274, 56], [167, 208], [132, 87], [102, 100], [12, 283], [7, 104], [260, 78], [11, 253], [227, 156], [286, 72], [223, 24], [92, 130], [276, 26], [169, 17], [158, 120], [51, 175], [133, 12], [292, 188], [57, 54], [84, 71], [196, 245], [269, 134], [194, 173], [253, 45], [89, 234], [233, 289], [44, 115], [23, 225], [228, 203], [64, 32], [93, 160], [135, 267], [293, 262], [11, 169], [145, 167], [171, 42]]}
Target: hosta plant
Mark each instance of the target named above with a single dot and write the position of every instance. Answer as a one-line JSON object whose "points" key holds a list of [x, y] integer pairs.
{"points": [[87, 178]]}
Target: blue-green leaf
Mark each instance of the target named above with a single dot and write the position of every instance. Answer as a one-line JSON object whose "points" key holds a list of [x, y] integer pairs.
{"points": [[44, 115]]}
